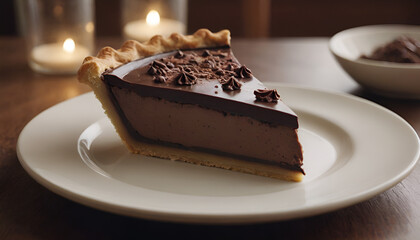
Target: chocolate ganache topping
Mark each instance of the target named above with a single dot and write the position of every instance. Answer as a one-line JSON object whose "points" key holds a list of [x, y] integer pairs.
{"points": [[190, 77], [267, 95]]}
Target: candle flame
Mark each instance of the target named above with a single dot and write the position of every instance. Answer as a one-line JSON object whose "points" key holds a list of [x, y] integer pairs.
{"points": [[89, 27], [153, 18], [69, 45]]}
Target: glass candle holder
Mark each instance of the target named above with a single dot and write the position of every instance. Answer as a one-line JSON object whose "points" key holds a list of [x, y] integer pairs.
{"points": [[142, 19], [59, 33]]}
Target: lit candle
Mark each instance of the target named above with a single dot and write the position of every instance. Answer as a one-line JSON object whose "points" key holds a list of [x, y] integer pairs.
{"points": [[143, 30], [58, 58]]}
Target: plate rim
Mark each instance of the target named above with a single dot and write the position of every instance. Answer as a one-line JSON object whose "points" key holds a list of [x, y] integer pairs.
{"points": [[236, 218]]}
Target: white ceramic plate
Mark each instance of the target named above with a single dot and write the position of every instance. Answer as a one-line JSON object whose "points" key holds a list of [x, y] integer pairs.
{"points": [[390, 79], [353, 150]]}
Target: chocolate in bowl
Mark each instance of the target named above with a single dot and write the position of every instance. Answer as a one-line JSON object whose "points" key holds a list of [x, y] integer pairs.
{"points": [[404, 49], [390, 79]]}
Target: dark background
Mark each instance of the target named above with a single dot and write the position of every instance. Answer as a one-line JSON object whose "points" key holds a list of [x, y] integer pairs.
{"points": [[260, 18]]}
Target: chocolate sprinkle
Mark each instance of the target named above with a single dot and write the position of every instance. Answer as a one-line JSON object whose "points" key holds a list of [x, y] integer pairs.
{"points": [[231, 84], [267, 95]]}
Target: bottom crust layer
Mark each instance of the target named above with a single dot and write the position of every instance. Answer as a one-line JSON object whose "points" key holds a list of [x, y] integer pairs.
{"points": [[214, 160]]}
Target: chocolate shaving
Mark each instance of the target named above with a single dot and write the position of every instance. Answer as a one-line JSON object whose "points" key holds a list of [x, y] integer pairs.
{"points": [[186, 69], [206, 53], [195, 69], [220, 72], [152, 70], [223, 55], [179, 54], [243, 72], [230, 73], [185, 78], [157, 67], [159, 79], [231, 84], [159, 64], [267, 95], [230, 67], [193, 61], [220, 54], [202, 75], [161, 71], [208, 64], [170, 65]]}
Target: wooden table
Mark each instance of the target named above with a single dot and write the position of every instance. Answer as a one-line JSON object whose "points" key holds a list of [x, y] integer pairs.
{"points": [[30, 211]]}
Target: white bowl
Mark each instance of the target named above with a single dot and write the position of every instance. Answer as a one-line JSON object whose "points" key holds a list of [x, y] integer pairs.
{"points": [[385, 78]]}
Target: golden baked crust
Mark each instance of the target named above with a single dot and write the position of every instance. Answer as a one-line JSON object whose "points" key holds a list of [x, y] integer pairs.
{"points": [[108, 58]]}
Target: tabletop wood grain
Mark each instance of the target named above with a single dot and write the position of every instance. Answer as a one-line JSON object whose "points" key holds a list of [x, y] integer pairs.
{"points": [[30, 211]]}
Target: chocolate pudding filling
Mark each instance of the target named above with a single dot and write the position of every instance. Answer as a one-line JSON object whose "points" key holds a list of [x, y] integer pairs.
{"points": [[204, 99]]}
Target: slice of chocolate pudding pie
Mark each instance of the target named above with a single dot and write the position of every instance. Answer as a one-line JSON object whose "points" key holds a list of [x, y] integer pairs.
{"points": [[188, 98]]}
